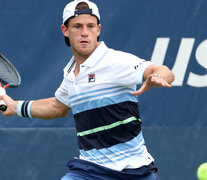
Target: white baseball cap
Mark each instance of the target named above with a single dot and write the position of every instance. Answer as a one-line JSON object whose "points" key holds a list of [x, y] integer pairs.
{"points": [[70, 10]]}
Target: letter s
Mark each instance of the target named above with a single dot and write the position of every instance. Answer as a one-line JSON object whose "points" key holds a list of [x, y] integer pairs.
{"points": [[201, 56]]}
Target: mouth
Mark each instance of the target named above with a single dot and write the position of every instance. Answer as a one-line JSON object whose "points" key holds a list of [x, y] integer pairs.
{"points": [[83, 42]]}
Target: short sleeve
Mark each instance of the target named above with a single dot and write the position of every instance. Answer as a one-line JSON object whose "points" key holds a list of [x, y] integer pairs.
{"points": [[62, 93], [129, 69]]}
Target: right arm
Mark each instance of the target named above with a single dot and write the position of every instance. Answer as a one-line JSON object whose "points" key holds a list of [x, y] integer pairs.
{"points": [[49, 108]]}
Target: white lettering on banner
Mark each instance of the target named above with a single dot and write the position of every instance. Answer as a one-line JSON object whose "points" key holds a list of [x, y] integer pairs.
{"points": [[160, 50], [201, 56], [182, 60]]}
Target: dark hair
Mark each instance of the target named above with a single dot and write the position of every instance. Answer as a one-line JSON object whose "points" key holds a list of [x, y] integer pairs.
{"points": [[80, 6]]}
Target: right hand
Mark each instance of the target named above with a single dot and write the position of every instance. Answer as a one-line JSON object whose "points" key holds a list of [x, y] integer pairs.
{"points": [[11, 105]]}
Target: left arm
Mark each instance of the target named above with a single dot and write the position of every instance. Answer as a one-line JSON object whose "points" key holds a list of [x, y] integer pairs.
{"points": [[156, 76]]}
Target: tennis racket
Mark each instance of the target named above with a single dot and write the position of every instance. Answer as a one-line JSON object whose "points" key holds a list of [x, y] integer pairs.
{"points": [[9, 76]]}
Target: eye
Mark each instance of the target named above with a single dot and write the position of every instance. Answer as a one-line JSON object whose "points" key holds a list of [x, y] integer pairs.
{"points": [[91, 26], [77, 26]]}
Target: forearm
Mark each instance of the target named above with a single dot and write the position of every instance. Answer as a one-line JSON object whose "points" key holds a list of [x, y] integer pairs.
{"points": [[165, 73], [156, 76], [162, 71], [49, 108]]}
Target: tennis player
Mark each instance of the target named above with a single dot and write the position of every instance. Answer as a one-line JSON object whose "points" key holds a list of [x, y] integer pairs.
{"points": [[99, 85]]}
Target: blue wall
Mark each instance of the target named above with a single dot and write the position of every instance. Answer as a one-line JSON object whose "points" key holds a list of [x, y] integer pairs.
{"points": [[174, 120]]}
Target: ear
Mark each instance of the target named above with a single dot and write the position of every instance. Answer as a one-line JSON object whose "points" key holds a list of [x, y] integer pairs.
{"points": [[99, 29], [64, 30]]}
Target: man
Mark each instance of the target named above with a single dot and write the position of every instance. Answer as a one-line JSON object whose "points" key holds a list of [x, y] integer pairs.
{"points": [[99, 85]]}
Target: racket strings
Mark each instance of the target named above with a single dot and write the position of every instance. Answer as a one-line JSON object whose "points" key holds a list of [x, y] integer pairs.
{"points": [[8, 74]]}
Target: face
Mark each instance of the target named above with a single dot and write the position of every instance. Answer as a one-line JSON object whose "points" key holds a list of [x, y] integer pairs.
{"points": [[82, 31]]}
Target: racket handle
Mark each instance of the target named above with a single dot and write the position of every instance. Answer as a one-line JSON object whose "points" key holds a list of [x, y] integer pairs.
{"points": [[3, 106]]}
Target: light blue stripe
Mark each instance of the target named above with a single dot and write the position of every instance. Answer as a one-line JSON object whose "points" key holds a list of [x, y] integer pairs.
{"points": [[119, 159], [29, 109], [94, 91], [104, 102], [104, 160], [101, 94], [137, 142], [19, 107]]}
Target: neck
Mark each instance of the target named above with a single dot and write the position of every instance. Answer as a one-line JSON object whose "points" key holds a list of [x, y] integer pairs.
{"points": [[80, 59]]}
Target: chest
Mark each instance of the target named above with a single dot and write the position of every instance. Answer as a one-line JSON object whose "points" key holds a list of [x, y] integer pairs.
{"points": [[89, 79]]}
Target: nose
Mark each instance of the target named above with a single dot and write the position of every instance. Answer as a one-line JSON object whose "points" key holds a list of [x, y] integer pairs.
{"points": [[84, 31]]}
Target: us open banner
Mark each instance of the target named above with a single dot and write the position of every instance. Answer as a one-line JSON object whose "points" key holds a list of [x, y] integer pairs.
{"points": [[183, 57], [173, 33]]}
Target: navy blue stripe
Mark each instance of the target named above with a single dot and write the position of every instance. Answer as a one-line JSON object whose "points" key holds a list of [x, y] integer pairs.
{"points": [[108, 138], [71, 67], [22, 108], [105, 115], [92, 171], [83, 11], [26, 106]]}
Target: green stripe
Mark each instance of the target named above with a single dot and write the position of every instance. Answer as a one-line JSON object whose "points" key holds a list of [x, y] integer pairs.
{"points": [[102, 128]]}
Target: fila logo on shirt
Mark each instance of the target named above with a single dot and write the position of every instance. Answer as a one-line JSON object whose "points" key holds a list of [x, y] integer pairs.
{"points": [[91, 78]]}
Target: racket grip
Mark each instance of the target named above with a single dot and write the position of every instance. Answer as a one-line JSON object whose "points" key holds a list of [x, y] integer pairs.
{"points": [[3, 106]]}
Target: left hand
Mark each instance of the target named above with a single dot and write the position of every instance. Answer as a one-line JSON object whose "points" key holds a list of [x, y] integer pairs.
{"points": [[153, 80]]}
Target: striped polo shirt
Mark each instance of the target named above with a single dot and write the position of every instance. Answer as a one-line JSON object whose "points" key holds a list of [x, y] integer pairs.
{"points": [[105, 111]]}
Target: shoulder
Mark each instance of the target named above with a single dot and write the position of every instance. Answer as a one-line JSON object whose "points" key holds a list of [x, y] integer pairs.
{"points": [[121, 57]]}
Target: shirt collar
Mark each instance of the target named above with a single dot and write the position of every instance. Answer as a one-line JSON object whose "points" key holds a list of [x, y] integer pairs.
{"points": [[69, 66], [97, 55]]}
